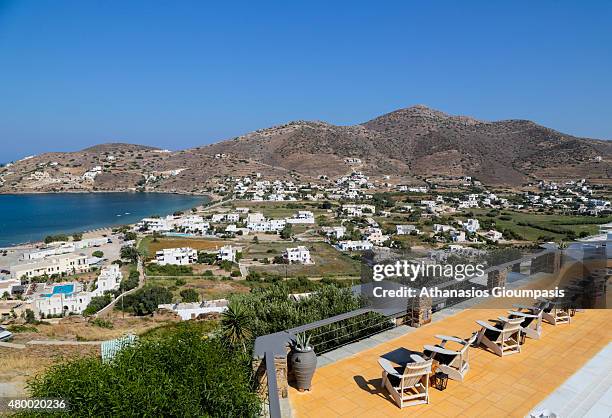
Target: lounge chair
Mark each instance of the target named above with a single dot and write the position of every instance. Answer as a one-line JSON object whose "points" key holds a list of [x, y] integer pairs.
{"points": [[408, 385], [453, 363], [554, 313], [502, 338], [532, 321]]}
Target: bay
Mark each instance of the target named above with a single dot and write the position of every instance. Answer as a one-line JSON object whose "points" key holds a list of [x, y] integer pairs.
{"points": [[31, 217]]}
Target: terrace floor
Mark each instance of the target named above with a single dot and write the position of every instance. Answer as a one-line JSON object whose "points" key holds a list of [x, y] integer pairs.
{"points": [[494, 386]]}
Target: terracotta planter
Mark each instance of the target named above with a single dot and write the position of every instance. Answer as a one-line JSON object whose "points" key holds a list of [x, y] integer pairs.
{"points": [[304, 364]]}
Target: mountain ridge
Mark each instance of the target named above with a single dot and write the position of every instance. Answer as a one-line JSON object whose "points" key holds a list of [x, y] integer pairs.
{"points": [[407, 144]]}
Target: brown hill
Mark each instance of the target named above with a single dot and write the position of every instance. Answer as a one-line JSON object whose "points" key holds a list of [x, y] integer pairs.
{"points": [[407, 143]]}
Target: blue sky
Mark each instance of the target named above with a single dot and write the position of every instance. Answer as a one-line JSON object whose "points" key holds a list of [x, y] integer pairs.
{"points": [[186, 73]]}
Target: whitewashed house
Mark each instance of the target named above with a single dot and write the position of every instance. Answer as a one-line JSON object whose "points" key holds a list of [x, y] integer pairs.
{"points": [[302, 217], [254, 218], [176, 256], [59, 265], [358, 210], [471, 226], [298, 254], [334, 231], [407, 229], [227, 253], [193, 310], [272, 225], [493, 235], [193, 224], [355, 245], [108, 280], [61, 299], [6, 286], [153, 225]]}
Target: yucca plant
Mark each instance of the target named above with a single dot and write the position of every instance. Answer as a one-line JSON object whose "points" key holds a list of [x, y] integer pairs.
{"points": [[302, 342]]}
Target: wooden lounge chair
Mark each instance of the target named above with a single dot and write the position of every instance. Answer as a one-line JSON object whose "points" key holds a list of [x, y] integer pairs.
{"points": [[453, 363], [554, 313], [532, 321], [408, 385], [502, 338]]}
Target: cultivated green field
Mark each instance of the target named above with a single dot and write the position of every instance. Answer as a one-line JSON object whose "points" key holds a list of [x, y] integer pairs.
{"points": [[328, 261], [532, 226]]}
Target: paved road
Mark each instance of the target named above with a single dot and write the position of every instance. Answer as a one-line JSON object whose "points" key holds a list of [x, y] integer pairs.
{"points": [[141, 281]]}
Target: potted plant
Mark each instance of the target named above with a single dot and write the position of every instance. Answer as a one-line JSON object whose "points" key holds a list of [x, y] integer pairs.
{"points": [[303, 362]]}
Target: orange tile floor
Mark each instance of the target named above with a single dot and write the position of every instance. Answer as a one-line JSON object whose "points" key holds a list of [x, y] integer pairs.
{"points": [[495, 386]]}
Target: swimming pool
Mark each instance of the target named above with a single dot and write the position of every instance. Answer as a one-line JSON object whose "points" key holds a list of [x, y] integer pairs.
{"points": [[64, 288]]}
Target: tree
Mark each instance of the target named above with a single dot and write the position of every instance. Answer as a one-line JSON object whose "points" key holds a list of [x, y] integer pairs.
{"points": [[77, 236], [130, 282], [97, 303], [130, 236], [98, 254], [190, 295], [286, 232], [145, 301], [30, 318], [53, 238], [130, 253], [206, 258], [235, 326]]}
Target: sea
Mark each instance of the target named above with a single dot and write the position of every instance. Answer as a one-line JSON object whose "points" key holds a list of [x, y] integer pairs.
{"points": [[31, 217]]}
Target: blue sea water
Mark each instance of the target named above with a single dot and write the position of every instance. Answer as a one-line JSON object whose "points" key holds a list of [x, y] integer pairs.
{"points": [[31, 217]]}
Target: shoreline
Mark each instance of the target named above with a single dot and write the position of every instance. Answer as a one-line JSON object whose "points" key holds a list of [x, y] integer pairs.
{"points": [[184, 193], [97, 232]]}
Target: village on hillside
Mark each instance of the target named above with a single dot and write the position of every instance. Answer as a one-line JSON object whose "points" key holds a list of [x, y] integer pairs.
{"points": [[136, 279]]}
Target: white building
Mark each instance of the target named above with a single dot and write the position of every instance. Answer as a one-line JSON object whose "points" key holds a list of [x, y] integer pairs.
{"points": [[493, 235], [193, 310], [61, 299], [227, 253], [58, 265], [6, 286], [153, 225], [334, 231], [193, 224], [256, 217], [358, 210], [407, 229], [376, 236], [457, 236], [302, 217], [57, 249], [90, 242], [108, 280], [355, 245], [471, 226], [298, 254], [272, 225], [176, 256]]}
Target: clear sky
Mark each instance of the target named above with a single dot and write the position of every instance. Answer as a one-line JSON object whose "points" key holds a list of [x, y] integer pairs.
{"points": [[177, 74]]}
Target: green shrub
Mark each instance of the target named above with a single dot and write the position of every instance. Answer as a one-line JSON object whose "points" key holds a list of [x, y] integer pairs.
{"points": [[144, 301], [169, 270], [271, 310], [97, 303], [102, 323], [130, 282], [190, 295], [182, 374]]}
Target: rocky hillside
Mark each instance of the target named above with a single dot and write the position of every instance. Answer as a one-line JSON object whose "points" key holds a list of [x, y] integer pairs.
{"points": [[407, 144]]}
